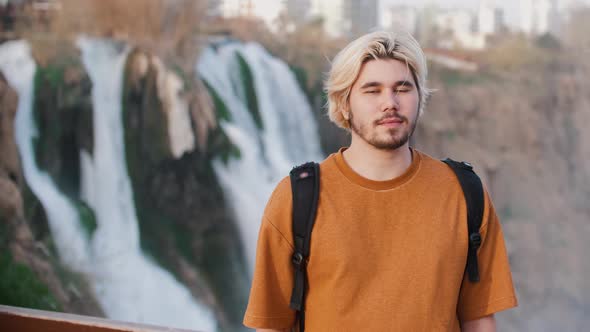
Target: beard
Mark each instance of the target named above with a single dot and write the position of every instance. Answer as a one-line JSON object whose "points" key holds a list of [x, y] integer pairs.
{"points": [[389, 139]]}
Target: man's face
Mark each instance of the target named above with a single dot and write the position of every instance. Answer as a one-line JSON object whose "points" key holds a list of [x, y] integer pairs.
{"points": [[384, 104]]}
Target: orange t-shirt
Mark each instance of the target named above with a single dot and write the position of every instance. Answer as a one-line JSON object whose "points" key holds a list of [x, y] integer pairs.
{"points": [[385, 255]]}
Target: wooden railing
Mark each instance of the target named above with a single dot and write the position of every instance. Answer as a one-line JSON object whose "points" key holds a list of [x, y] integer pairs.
{"points": [[13, 319]]}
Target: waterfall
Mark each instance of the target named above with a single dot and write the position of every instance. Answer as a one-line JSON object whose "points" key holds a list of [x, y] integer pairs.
{"points": [[289, 135], [72, 245], [129, 286]]}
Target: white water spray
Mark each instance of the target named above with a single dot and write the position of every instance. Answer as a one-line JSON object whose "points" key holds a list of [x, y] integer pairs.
{"points": [[289, 137], [129, 286], [70, 240]]}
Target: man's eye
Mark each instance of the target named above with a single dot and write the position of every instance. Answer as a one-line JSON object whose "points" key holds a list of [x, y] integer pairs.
{"points": [[402, 90], [371, 91]]}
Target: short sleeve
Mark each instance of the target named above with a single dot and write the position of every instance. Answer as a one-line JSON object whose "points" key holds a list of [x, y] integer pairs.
{"points": [[272, 284], [495, 290]]}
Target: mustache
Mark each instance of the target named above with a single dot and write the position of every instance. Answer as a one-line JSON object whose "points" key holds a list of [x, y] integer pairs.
{"points": [[391, 116]]}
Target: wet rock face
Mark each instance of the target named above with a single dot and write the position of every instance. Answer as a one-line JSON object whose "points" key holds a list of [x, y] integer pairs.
{"points": [[24, 234], [10, 172], [63, 115], [11, 204], [184, 221]]}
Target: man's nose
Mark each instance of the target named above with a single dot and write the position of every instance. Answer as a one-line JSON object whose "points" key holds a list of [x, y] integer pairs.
{"points": [[390, 101]]}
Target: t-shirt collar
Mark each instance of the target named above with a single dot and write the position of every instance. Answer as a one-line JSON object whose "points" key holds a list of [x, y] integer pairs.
{"points": [[356, 178]]}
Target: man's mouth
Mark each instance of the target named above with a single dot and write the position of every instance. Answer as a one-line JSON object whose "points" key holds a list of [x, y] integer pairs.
{"points": [[390, 122]]}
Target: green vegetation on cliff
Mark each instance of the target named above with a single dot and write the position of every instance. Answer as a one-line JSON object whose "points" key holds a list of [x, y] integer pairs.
{"points": [[87, 218], [249, 87], [218, 144], [63, 117], [20, 287]]}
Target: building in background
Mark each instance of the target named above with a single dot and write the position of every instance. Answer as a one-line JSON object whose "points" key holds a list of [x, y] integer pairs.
{"points": [[235, 8], [360, 17], [331, 12], [557, 17], [487, 18], [458, 28], [264, 10], [538, 17], [425, 27], [455, 21], [500, 19], [432, 25], [405, 17], [347, 18]]}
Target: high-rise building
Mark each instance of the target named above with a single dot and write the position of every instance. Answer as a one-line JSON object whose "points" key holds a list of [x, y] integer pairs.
{"points": [[265, 10], [347, 18], [233, 8], [360, 16], [404, 17], [486, 17], [525, 23], [426, 27], [556, 18], [500, 19], [541, 12], [455, 21], [331, 12], [458, 28], [538, 17]]}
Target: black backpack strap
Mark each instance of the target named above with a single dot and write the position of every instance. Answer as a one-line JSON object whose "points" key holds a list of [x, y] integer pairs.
{"points": [[474, 197], [305, 184]]}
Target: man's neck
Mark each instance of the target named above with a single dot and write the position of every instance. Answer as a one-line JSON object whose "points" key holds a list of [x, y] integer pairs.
{"points": [[375, 164]]}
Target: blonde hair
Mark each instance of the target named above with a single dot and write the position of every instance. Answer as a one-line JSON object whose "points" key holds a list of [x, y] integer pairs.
{"points": [[375, 45]]}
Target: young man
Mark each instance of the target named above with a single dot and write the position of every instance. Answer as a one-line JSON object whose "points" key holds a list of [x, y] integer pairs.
{"points": [[389, 245]]}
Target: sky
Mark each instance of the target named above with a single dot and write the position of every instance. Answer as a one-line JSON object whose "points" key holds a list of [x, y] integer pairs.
{"points": [[510, 6]]}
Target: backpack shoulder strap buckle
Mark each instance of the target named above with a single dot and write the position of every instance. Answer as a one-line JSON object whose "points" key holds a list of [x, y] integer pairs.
{"points": [[475, 240], [298, 261]]}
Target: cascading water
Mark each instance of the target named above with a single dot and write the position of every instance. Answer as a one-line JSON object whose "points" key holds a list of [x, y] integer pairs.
{"points": [[290, 128], [289, 135], [19, 69], [128, 286]]}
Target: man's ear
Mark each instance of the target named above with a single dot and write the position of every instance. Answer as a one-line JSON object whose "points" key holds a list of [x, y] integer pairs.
{"points": [[345, 111]]}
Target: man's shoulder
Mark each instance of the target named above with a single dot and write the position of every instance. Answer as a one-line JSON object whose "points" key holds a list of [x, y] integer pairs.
{"points": [[436, 174], [433, 167], [282, 195], [439, 174], [278, 210]]}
